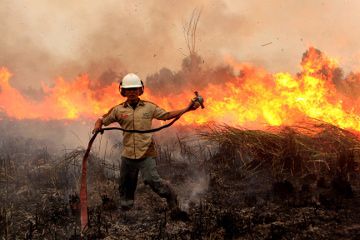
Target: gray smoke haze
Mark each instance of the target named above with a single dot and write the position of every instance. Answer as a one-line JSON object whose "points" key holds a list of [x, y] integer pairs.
{"points": [[41, 40], [192, 75]]}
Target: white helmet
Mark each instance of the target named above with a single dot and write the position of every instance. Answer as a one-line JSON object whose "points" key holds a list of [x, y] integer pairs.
{"points": [[131, 80]]}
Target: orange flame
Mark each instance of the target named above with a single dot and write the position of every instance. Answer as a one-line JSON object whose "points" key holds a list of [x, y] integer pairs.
{"points": [[252, 98]]}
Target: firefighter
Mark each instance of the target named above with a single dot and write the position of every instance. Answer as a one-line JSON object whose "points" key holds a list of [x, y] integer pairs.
{"points": [[139, 152]]}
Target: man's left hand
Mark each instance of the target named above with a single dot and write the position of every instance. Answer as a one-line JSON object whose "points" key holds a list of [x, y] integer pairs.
{"points": [[193, 105]]}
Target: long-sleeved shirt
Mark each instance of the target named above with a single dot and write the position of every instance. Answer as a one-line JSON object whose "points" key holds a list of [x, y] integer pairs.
{"points": [[135, 145]]}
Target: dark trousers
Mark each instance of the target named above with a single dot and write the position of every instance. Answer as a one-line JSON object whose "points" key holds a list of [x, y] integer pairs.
{"points": [[129, 176]]}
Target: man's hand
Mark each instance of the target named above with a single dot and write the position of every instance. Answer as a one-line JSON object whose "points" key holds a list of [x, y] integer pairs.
{"points": [[193, 105], [97, 127], [95, 130]]}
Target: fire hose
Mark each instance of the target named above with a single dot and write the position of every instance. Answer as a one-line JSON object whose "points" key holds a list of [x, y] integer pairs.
{"points": [[83, 186]]}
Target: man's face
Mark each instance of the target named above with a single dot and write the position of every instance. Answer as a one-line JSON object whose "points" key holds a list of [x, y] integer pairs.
{"points": [[132, 93]]}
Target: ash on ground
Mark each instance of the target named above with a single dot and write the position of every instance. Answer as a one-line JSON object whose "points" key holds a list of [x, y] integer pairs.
{"points": [[288, 183]]}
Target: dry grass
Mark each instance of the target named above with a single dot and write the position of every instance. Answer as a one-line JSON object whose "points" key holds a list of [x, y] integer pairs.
{"points": [[309, 148]]}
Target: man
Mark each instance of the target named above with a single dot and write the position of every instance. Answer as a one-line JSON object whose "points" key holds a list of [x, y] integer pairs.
{"points": [[139, 152]]}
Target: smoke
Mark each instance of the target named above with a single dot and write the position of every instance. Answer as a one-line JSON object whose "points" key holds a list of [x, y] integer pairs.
{"points": [[42, 40], [351, 85], [192, 76], [57, 137], [195, 190]]}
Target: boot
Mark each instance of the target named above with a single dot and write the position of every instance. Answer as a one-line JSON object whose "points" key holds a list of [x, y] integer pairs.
{"points": [[172, 201], [126, 204]]}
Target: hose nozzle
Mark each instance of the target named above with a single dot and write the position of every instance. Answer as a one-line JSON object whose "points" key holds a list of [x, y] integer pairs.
{"points": [[199, 99]]}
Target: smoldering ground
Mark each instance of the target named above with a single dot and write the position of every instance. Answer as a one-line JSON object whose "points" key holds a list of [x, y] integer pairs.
{"points": [[245, 184]]}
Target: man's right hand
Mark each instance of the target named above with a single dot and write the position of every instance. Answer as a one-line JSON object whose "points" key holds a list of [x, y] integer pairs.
{"points": [[95, 130], [97, 127]]}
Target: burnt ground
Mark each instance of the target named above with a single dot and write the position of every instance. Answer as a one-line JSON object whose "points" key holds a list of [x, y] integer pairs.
{"points": [[39, 200]]}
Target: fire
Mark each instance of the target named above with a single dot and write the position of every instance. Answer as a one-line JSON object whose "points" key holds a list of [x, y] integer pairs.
{"points": [[254, 97], [66, 100]]}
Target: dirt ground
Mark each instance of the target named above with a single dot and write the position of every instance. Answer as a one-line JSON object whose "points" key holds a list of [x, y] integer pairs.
{"points": [[39, 199]]}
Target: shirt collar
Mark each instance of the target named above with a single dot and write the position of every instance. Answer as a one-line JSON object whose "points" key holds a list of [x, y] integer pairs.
{"points": [[140, 103]]}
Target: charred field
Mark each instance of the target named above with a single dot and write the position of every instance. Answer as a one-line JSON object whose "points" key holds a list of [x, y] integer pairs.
{"points": [[298, 182]]}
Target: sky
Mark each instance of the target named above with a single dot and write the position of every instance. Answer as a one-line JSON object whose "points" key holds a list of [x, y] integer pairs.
{"points": [[42, 40]]}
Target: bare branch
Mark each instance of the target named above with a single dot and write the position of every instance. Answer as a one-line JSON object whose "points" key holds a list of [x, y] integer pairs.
{"points": [[189, 29]]}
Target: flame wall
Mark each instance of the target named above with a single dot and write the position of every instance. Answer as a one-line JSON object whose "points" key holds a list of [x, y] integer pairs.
{"points": [[243, 95]]}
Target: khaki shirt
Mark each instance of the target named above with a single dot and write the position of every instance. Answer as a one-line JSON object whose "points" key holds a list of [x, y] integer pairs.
{"points": [[135, 145]]}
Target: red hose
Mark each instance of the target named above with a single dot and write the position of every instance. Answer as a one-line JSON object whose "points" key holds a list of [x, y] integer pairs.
{"points": [[83, 187]]}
